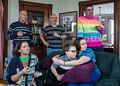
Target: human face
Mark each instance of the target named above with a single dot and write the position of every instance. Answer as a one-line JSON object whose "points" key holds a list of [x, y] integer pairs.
{"points": [[53, 19], [24, 49], [72, 52], [83, 44], [23, 16], [89, 11]]}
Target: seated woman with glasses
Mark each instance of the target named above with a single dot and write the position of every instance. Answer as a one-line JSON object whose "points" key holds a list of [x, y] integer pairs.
{"points": [[85, 55]]}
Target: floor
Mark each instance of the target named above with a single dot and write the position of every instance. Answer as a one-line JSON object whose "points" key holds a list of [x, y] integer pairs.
{"points": [[3, 83]]}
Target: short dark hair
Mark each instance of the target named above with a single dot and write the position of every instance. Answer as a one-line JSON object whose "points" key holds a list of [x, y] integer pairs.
{"points": [[17, 47], [68, 45], [88, 5]]}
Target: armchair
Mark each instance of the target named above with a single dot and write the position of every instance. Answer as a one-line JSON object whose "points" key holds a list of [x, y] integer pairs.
{"points": [[109, 65]]}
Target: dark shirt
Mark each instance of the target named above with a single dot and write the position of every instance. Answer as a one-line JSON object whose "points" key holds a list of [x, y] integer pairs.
{"points": [[54, 42], [16, 27]]}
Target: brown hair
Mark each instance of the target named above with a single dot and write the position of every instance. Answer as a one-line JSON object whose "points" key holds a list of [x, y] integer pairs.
{"points": [[68, 45], [88, 5], [17, 47]]}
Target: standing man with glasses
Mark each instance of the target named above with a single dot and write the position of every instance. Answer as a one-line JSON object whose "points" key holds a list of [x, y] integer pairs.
{"points": [[91, 29], [54, 35]]}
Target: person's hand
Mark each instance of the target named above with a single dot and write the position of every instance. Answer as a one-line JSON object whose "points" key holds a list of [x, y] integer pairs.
{"points": [[34, 22], [37, 74], [98, 27], [25, 70], [59, 77], [56, 34], [21, 33], [59, 62], [46, 44], [55, 58]]}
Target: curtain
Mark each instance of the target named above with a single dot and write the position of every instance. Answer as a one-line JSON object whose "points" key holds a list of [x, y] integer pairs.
{"points": [[1, 38]]}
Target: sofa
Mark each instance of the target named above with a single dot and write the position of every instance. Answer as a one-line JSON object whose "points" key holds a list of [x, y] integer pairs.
{"points": [[108, 63]]}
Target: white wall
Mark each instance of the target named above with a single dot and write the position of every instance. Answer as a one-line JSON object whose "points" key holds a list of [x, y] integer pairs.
{"points": [[60, 6], [67, 5], [45, 2], [13, 10]]}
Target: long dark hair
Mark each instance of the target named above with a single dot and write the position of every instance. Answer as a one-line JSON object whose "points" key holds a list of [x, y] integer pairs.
{"points": [[17, 47], [77, 43]]}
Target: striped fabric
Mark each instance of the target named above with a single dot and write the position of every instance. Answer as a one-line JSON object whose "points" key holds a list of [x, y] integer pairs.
{"points": [[18, 26], [54, 42], [87, 29]]}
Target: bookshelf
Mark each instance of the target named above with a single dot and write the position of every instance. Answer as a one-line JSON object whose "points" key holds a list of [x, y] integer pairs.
{"points": [[36, 21]]}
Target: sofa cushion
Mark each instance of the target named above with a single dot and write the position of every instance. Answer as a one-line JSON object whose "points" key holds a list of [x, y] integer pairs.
{"points": [[115, 74], [78, 74], [107, 82], [104, 62]]}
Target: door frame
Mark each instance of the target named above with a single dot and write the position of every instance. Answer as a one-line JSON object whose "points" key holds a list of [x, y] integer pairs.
{"points": [[5, 23], [82, 4], [32, 6], [38, 7]]}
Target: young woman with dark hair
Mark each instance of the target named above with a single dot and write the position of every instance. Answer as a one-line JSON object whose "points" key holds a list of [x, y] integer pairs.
{"points": [[21, 68]]}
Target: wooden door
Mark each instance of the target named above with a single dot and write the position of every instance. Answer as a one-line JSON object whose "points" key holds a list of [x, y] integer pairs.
{"points": [[39, 12], [30, 6]]}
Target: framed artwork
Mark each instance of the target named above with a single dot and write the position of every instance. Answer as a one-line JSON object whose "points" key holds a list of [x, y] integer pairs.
{"points": [[69, 21]]}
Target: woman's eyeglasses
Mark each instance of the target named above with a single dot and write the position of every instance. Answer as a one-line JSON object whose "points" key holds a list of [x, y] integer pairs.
{"points": [[73, 51]]}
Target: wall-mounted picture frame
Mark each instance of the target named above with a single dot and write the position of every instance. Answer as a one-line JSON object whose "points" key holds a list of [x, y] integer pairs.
{"points": [[69, 21]]}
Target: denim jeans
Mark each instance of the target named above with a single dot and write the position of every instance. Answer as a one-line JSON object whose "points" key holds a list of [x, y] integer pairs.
{"points": [[50, 50]]}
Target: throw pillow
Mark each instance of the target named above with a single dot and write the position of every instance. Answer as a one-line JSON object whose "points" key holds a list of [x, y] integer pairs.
{"points": [[79, 74]]}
